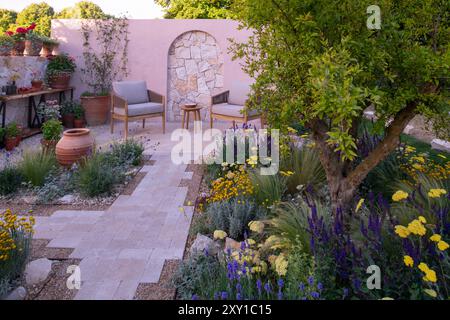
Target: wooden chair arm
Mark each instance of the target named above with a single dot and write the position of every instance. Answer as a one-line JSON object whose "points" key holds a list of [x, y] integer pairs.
{"points": [[118, 102], [220, 98], [155, 97]]}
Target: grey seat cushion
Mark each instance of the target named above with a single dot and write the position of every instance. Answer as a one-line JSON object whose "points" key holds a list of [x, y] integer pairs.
{"points": [[231, 110], [141, 109], [238, 93], [132, 91]]}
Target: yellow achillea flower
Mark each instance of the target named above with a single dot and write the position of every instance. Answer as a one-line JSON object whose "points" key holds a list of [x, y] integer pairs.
{"points": [[430, 275], [358, 206], [281, 265], [291, 130], [251, 242], [422, 219], [220, 234], [442, 245], [416, 227], [399, 195], [435, 238], [402, 231], [409, 262], [256, 226], [436, 193]]}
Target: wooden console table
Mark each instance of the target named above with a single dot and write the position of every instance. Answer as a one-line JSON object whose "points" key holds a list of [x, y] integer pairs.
{"points": [[33, 118]]}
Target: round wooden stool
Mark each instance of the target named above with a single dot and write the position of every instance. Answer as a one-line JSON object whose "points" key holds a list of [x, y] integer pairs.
{"points": [[187, 109]]}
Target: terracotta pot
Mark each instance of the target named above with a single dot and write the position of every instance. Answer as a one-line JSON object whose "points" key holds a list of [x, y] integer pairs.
{"points": [[37, 84], [78, 123], [33, 48], [48, 145], [73, 146], [19, 137], [10, 143], [47, 49], [18, 48], [68, 120], [59, 81], [96, 109]]}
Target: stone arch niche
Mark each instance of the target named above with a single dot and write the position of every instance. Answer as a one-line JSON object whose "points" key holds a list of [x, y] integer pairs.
{"points": [[195, 72]]}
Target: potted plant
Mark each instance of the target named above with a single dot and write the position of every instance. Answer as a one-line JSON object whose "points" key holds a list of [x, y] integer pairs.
{"points": [[36, 79], [51, 133], [103, 63], [59, 70], [78, 112], [67, 113], [11, 134], [48, 45], [19, 40], [6, 44], [33, 42]]}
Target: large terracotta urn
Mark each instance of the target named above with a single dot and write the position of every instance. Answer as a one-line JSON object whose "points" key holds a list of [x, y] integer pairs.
{"points": [[73, 146], [96, 109]]}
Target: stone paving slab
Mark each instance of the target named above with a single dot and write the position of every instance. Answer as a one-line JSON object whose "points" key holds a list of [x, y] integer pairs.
{"points": [[129, 242]]}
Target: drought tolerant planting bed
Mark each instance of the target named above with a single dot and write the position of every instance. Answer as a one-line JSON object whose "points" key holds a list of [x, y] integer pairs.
{"points": [[275, 236]]}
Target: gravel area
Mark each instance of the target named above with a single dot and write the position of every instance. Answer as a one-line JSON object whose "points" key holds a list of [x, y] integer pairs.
{"points": [[163, 290]]}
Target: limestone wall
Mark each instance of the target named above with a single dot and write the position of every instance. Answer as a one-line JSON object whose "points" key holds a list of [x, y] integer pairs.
{"points": [[195, 71]]}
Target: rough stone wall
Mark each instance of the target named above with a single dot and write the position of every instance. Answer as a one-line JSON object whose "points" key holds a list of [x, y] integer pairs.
{"points": [[195, 72], [23, 68]]}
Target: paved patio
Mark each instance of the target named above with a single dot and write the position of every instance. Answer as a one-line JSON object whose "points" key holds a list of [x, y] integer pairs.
{"points": [[128, 243]]}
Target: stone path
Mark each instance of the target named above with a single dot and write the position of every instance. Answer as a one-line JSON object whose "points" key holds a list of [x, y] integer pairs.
{"points": [[128, 243]]}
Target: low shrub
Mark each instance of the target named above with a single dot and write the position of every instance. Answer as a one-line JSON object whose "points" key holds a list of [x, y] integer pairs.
{"points": [[97, 176], [52, 130], [15, 241], [36, 166], [10, 180], [127, 153], [233, 215]]}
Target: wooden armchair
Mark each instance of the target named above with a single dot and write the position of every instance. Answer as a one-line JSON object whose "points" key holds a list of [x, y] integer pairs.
{"points": [[231, 105], [131, 100]]}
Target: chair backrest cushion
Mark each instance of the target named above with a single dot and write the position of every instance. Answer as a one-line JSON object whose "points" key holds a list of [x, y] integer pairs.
{"points": [[238, 93], [133, 91]]}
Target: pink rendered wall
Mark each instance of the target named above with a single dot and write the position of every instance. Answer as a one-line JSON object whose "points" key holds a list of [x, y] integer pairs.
{"points": [[149, 45]]}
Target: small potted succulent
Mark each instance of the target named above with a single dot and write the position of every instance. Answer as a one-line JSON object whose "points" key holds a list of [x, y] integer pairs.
{"points": [[33, 42], [48, 46], [78, 112], [36, 81], [59, 70], [51, 133], [11, 133], [6, 44], [67, 113]]}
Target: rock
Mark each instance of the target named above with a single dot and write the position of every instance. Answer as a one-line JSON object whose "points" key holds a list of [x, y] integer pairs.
{"points": [[37, 271], [440, 144], [67, 199], [191, 67], [29, 199], [181, 73], [203, 243], [195, 52], [232, 244], [183, 53], [18, 293], [408, 129]]}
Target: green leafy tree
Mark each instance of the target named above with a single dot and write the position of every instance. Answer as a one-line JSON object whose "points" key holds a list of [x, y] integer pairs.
{"points": [[39, 13], [197, 9], [82, 10], [7, 18], [319, 63]]}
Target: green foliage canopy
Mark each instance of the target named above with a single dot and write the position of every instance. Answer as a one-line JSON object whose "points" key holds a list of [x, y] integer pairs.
{"points": [[82, 10], [7, 18], [39, 13], [197, 9]]}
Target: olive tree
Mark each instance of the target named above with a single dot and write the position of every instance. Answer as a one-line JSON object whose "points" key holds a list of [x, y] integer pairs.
{"points": [[322, 63]]}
